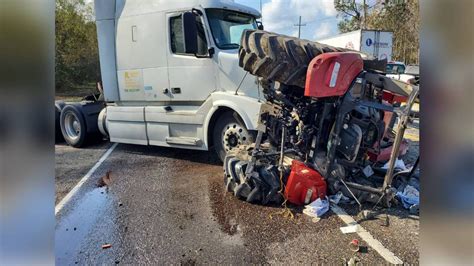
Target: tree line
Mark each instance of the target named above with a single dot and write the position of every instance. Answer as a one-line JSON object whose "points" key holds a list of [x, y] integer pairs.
{"points": [[77, 58]]}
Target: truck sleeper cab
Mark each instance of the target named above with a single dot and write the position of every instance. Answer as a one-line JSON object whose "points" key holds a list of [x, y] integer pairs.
{"points": [[170, 73]]}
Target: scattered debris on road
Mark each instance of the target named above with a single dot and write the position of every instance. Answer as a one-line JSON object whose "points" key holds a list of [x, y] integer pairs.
{"points": [[106, 180], [339, 197], [317, 208], [350, 229], [410, 197], [354, 245], [353, 261], [399, 164]]}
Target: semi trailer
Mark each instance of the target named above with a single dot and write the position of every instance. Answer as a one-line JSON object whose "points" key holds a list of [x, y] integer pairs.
{"points": [[373, 42]]}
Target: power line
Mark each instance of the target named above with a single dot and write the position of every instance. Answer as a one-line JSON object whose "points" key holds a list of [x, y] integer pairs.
{"points": [[321, 19]]}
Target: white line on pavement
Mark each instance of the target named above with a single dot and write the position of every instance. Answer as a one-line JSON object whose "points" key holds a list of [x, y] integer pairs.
{"points": [[73, 191], [367, 237]]}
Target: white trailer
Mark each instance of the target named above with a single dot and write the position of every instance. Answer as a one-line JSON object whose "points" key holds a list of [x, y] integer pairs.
{"points": [[372, 42], [171, 76]]}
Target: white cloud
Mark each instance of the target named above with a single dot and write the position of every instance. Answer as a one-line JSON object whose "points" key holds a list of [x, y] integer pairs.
{"points": [[324, 30], [281, 16]]}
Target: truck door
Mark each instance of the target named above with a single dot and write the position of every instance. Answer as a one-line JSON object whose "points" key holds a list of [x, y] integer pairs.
{"points": [[142, 69], [191, 77]]}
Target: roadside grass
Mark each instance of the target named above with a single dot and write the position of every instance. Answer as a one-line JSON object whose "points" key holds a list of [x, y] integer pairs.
{"points": [[75, 93]]}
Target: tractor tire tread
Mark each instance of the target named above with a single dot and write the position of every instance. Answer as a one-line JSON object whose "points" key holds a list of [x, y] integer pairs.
{"points": [[282, 58]]}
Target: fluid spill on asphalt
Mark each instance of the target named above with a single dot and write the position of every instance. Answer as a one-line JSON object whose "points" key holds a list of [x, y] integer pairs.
{"points": [[267, 234], [259, 225], [74, 227]]}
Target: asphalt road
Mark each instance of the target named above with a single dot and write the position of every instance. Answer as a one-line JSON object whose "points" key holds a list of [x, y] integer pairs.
{"points": [[170, 206], [72, 164]]}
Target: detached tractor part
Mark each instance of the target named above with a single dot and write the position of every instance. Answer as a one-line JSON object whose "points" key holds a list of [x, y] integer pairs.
{"points": [[285, 59]]}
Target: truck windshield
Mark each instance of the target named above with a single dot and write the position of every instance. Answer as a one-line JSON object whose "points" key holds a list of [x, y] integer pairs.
{"points": [[227, 27], [395, 69]]}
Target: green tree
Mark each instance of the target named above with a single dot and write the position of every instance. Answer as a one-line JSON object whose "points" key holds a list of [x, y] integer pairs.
{"points": [[352, 14], [403, 19], [77, 61]]}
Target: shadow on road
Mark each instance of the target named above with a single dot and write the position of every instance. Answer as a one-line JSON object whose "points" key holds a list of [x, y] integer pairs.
{"points": [[203, 157]]}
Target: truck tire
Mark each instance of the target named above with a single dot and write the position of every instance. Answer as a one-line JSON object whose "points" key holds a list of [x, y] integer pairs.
{"points": [[73, 126], [283, 58], [228, 133]]}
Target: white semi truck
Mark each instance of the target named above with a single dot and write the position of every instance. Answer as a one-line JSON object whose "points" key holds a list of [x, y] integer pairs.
{"points": [[372, 42], [170, 76]]}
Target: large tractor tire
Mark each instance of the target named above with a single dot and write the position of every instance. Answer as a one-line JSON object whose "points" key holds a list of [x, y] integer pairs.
{"points": [[283, 58]]}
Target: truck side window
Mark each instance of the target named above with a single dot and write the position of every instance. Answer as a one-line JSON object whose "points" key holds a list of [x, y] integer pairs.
{"points": [[177, 36]]}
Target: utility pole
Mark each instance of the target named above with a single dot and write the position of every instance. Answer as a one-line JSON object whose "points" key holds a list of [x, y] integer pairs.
{"points": [[261, 12], [299, 28]]}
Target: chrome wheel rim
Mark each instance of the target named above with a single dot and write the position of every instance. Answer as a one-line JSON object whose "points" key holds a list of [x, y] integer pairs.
{"points": [[72, 126], [234, 135]]}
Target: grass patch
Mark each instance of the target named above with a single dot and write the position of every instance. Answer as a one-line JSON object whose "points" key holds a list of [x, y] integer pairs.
{"points": [[75, 93]]}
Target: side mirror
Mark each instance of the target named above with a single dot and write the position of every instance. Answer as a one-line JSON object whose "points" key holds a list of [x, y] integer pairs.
{"points": [[190, 33], [259, 25]]}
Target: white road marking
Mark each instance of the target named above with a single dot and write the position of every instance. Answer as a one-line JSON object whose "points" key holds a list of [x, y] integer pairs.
{"points": [[367, 237], [76, 188]]}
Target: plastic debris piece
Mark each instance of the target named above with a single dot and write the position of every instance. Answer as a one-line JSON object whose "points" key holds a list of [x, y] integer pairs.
{"points": [[409, 197], [106, 246], [338, 197], [368, 171], [350, 229], [353, 261], [354, 245], [317, 208], [399, 164]]}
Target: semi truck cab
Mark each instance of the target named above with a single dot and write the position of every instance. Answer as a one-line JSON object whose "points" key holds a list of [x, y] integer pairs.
{"points": [[171, 75]]}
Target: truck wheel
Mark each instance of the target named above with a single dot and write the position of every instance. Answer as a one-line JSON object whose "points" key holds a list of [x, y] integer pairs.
{"points": [[228, 133], [283, 58], [73, 126]]}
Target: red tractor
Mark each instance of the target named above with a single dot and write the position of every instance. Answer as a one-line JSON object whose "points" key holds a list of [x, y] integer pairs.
{"points": [[331, 135]]}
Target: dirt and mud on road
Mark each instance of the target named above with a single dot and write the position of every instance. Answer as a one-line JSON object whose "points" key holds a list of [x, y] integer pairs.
{"points": [[170, 206]]}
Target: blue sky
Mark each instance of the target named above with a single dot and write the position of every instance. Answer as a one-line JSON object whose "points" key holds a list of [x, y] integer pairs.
{"points": [[281, 15]]}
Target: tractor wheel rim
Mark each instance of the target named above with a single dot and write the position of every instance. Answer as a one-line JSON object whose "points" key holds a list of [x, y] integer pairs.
{"points": [[72, 126], [234, 135]]}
